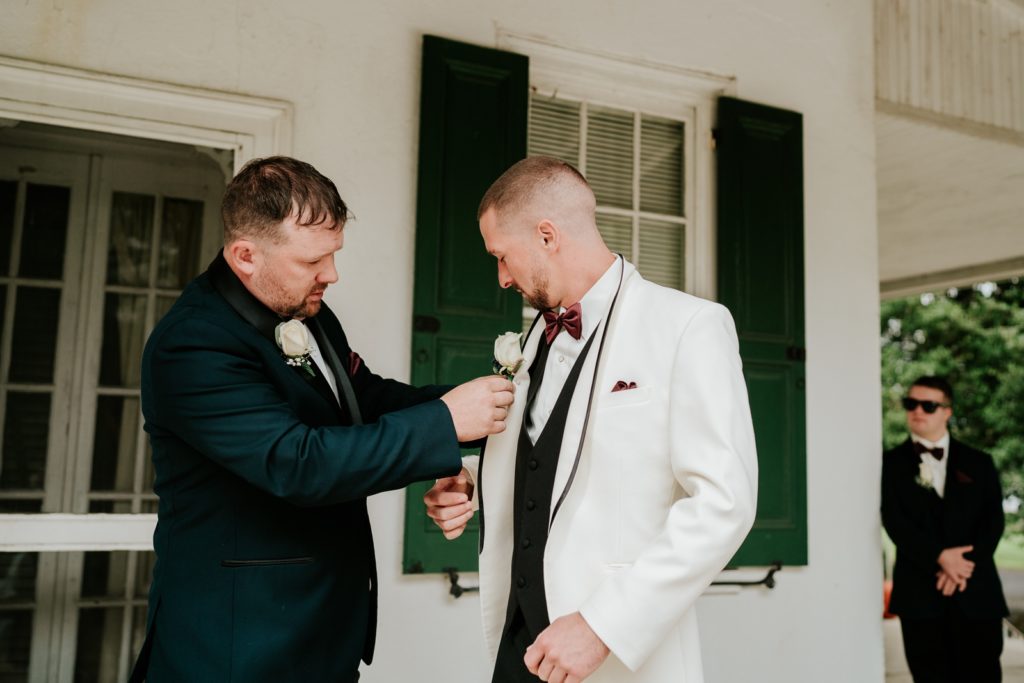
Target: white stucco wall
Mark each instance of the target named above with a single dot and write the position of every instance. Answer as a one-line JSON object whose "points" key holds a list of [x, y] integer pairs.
{"points": [[352, 72]]}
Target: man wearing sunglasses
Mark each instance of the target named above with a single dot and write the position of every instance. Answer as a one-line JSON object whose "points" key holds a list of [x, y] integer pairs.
{"points": [[942, 507]]}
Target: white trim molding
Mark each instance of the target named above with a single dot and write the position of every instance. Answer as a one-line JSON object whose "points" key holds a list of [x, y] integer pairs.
{"points": [[64, 532], [248, 126]]}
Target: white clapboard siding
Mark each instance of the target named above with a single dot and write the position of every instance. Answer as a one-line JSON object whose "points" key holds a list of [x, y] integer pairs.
{"points": [[962, 59]]}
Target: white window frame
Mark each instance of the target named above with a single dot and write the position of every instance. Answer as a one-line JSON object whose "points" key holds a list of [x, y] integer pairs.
{"points": [[249, 127], [660, 89]]}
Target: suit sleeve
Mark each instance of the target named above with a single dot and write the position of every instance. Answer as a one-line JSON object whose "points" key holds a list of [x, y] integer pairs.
{"points": [[916, 543], [711, 442], [205, 389], [992, 522]]}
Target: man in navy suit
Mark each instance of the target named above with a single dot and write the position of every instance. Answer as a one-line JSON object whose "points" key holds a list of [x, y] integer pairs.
{"points": [[942, 507], [268, 433]]}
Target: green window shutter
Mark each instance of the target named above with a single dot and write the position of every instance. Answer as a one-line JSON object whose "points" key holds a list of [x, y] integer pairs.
{"points": [[472, 127], [760, 279]]}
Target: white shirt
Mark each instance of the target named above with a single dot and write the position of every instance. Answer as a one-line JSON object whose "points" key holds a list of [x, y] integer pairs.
{"points": [[937, 467], [565, 350], [318, 358]]}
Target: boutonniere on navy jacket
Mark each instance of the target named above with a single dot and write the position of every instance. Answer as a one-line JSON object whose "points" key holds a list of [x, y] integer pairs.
{"points": [[293, 339], [626, 477], [267, 437], [945, 588]]}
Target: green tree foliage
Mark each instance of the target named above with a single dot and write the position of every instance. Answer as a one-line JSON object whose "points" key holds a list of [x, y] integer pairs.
{"points": [[975, 337]]}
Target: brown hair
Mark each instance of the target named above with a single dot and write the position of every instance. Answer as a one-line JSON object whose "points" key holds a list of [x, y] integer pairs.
{"points": [[522, 181], [267, 191]]}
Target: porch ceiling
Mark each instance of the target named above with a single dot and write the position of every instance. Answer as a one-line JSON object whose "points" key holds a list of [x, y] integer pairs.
{"points": [[950, 205]]}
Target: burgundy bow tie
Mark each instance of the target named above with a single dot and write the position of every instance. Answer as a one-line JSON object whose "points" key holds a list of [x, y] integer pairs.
{"points": [[936, 452], [571, 320]]}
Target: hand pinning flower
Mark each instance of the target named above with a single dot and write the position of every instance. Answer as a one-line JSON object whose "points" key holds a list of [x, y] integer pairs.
{"points": [[293, 339], [508, 354]]}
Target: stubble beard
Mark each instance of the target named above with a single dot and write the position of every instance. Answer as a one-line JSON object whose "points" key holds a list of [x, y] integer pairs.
{"points": [[277, 296]]}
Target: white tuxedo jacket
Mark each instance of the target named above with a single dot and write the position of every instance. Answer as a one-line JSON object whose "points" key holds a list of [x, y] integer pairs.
{"points": [[664, 490]]}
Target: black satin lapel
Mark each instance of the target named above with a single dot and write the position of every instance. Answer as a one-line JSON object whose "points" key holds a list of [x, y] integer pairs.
{"points": [[346, 395], [241, 299], [537, 372], [260, 317]]}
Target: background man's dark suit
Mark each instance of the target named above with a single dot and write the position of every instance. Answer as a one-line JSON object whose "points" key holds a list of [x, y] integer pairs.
{"points": [[265, 567], [922, 524]]}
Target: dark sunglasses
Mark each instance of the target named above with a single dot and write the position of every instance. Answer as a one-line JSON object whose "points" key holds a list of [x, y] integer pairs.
{"points": [[911, 404]]}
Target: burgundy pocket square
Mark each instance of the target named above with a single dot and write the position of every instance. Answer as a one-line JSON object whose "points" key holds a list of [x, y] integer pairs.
{"points": [[963, 478], [623, 386], [354, 361]]}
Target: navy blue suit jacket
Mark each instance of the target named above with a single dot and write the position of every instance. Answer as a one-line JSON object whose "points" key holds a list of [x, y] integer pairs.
{"points": [[265, 565]]}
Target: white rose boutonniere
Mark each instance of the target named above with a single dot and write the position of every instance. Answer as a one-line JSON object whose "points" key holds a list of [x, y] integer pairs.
{"points": [[925, 478], [508, 354], [293, 339]]}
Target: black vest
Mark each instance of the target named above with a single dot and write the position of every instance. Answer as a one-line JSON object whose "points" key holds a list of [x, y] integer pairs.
{"points": [[534, 483]]}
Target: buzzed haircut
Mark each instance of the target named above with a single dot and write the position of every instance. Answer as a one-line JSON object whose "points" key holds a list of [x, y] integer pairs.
{"points": [[266, 191], [521, 182], [935, 382]]}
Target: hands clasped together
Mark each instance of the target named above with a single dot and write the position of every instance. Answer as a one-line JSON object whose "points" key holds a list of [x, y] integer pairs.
{"points": [[956, 569]]}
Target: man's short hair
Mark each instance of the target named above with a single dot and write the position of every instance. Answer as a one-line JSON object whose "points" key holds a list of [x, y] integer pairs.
{"points": [[267, 191], [520, 183], [935, 382]]}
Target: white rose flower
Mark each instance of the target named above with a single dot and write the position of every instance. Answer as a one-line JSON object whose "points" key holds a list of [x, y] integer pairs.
{"points": [[924, 475], [293, 338], [508, 355]]}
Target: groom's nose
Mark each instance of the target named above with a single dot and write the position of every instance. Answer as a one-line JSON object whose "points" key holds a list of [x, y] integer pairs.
{"points": [[504, 277]]}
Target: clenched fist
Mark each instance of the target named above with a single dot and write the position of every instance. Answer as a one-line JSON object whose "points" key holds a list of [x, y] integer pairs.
{"points": [[479, 407]]}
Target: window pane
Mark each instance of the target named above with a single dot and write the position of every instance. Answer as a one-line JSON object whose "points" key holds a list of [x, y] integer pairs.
{"points": [[18, 577], [661, 252], [46, 229], [8, 199], [34, 346], [661, 166], [617, 232], [180, 238], [555, 128], [20, 505], [124, 326], [113, 453], [26, 434], [144, 576], [610, 156], [104, 574], [99, 644], [117, 507], [15, 644], [131, 237]]}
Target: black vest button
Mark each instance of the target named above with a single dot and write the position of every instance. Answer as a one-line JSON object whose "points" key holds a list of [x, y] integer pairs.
{"points": [[525, 543], [533, 463], [530, 504], [521, 582]]}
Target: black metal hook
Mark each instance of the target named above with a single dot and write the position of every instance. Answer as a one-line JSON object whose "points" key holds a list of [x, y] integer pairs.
{"points": [[453, 578], [768, 581]]}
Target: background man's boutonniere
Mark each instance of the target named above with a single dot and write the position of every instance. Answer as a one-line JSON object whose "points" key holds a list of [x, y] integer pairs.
{"points": [[293, 339], [508, 354], [924, 478]]}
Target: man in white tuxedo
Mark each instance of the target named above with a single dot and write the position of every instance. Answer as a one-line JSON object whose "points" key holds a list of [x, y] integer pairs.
{"points": [[627, 475]]}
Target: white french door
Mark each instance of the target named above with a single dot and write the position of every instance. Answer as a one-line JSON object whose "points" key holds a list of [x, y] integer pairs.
{"points": [[98, 235]]}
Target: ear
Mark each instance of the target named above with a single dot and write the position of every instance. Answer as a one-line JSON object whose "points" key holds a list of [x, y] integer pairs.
{"points": [[241, 255], [549, 234]]}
